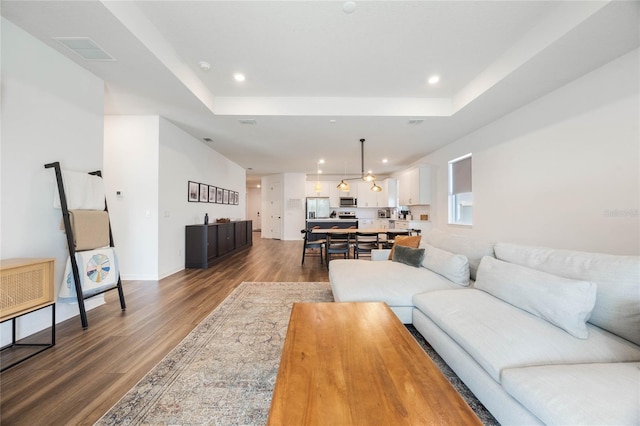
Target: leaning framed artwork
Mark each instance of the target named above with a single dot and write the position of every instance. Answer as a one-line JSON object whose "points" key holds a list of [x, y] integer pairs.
{"points": [[204, 193], [193, 192]]}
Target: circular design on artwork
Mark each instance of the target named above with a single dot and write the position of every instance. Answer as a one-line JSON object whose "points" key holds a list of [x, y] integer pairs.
{"points": [[98, 267]]}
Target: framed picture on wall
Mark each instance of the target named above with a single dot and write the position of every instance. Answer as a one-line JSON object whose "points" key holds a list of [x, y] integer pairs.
{"points": [[219, 195], [235, 198], [212, 194], [193, 192], [225, 196], [204, 193]]}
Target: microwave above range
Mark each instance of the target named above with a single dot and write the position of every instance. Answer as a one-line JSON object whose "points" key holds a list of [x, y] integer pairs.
{"points": [[348, 202]]}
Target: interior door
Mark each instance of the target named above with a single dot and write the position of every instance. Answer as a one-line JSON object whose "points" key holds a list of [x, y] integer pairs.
{"points": [[275, 210]]}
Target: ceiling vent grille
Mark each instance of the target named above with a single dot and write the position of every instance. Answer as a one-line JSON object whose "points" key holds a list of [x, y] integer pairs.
{"points": [[416, 121], [247, 121], [85, 48]]}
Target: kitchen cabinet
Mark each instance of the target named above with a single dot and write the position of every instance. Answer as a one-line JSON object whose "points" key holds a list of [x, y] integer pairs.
{"points": [[381, 223], [206, 245], [325, 188], [335, 193], [385, 198], [329, 188], [414, 186]]}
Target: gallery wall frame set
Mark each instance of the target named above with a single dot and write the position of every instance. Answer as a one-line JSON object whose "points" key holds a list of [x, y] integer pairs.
{"points": [[203, 193]]}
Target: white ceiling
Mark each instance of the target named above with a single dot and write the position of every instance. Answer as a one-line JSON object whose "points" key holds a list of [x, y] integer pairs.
{"points": [[308, 62]]}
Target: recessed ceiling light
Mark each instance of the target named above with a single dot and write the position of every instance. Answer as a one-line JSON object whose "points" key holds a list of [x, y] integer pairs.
{"points": [[321, 161], [385, 161], [434, 79], [204, 66], [332, 121], [258, 186], [349, 6], [239, 77], [247, 121], [416, 121]]}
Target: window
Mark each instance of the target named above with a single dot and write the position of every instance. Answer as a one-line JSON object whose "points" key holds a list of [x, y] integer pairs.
{"points": [[460, 191]]}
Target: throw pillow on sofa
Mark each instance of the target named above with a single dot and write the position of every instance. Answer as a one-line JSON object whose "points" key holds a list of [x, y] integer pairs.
{"points": [[618, 278], [563, 302], [409, 256], [454, 267], [406, 241]]}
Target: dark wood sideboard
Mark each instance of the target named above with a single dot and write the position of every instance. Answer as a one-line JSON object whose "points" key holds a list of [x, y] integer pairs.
{"points": [[205, 245]]}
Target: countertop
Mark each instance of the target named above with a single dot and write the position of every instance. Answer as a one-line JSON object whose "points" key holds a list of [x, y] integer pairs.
{"points": [[331, 219]]}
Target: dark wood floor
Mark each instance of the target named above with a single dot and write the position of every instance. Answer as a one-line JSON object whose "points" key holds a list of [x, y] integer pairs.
{"points": [[88, 371]]}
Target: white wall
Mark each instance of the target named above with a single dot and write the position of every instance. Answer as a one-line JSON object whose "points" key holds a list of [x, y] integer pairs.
{"points": [[294, 191], [551, 172], [184, 158], [51, 112], [131, 158], [283, 195]]}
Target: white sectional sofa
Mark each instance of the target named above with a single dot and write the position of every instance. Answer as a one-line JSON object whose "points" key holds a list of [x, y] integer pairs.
{"points": [[540, 336]]}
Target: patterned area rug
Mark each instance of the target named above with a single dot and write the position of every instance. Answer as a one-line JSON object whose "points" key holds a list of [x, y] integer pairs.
{"points": [[224, 371]]}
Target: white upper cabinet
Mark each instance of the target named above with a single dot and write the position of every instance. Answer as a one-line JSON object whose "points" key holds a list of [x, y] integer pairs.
{"points": [[324, 188], [414, 186], [385, 198]]}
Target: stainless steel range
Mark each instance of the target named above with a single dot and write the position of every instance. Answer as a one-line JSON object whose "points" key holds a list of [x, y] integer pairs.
{"points": [[347, 215]]}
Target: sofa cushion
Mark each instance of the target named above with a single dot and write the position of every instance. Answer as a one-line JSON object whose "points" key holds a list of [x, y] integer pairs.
{"points": [[357, 280], [454, 267], [581, 394], [408, 256], [412, 241], [617, 307], [498, 335], [472, 248], [563, 302]]}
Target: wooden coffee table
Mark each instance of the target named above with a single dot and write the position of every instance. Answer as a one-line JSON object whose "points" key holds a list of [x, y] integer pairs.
{"points": [[356, 363]]}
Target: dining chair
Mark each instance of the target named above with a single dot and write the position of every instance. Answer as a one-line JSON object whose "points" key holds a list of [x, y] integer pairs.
{"points": [[391, 237], [365, 242], [313, 244], [337, 244]]}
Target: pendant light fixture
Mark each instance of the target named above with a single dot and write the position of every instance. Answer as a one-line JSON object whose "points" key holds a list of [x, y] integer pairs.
{"points": [[368, 177], [318, 188], [344, 185]]}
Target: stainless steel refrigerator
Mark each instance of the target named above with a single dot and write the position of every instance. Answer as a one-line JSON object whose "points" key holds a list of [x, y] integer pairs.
{"points": [[317, 207]]}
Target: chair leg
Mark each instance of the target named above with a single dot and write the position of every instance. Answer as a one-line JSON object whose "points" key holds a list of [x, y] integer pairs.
{"points": [[304, 251]]}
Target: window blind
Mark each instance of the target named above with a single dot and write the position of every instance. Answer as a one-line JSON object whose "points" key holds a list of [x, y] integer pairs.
{"points": [[461, 176]]}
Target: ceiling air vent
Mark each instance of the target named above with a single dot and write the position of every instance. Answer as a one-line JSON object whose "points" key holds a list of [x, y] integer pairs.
{"points": [[85, 47], [416, 121], [248, 121]]}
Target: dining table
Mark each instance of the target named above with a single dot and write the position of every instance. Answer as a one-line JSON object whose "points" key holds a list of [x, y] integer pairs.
{"points": [[354, 230], [385, 242]]}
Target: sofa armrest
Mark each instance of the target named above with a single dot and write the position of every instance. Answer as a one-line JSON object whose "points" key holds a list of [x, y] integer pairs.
{"points": [[381, 254]]}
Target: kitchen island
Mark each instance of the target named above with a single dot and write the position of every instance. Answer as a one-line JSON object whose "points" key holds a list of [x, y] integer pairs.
{"points": [[328, 224]]}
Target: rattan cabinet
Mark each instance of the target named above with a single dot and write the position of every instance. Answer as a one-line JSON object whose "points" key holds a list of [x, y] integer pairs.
{"points": [[26, 285]]}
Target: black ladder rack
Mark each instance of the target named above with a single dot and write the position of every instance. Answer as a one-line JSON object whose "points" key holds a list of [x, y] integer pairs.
{"points": [[72, 249]]}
